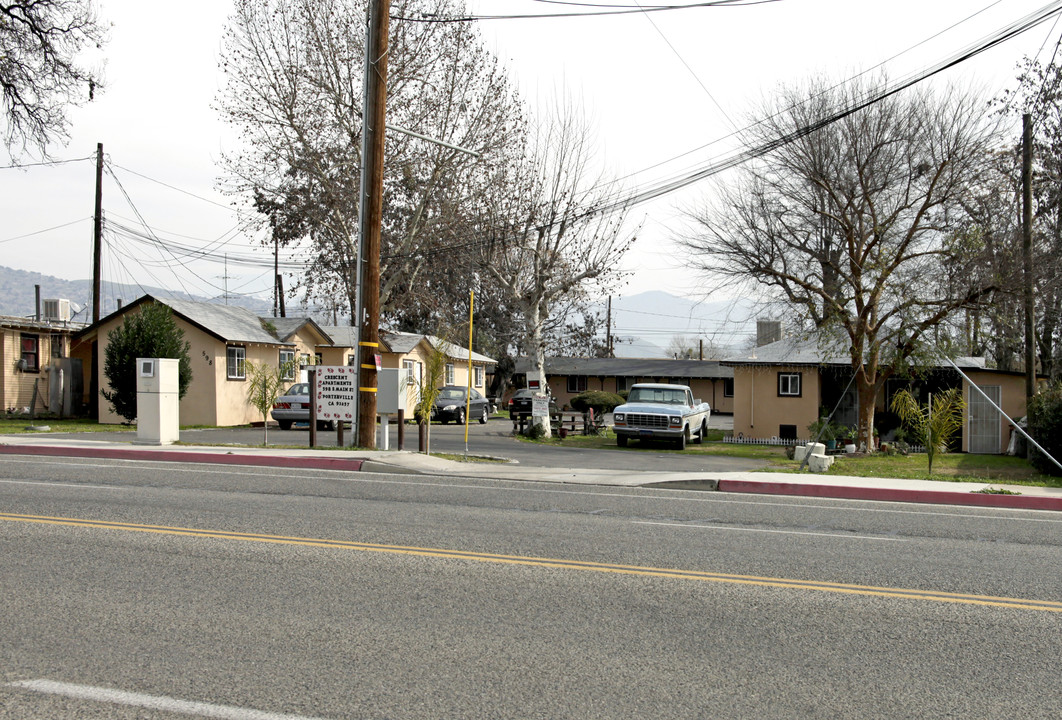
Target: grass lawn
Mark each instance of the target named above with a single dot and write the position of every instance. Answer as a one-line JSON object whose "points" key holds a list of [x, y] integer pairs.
{"points": [[22, 424], [958, 467]]}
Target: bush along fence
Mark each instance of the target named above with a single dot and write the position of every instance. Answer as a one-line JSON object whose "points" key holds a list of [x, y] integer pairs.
{"points": [[901, 447]]}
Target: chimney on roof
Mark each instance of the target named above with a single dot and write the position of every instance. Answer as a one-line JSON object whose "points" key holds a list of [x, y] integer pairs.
{"points": [[119, 303], [38, 291], [768, 331]]}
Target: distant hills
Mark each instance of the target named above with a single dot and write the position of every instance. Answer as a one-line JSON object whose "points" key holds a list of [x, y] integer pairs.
{"points": [[18, 296], [644, 325]]}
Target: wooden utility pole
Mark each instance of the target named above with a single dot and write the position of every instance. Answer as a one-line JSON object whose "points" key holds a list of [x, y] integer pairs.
{"points": [[97, 236], [608, 329], [374, 120], [1026, 241]]}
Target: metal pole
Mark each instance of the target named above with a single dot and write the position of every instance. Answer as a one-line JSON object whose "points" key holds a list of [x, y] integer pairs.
{"points": [[468, 389]]}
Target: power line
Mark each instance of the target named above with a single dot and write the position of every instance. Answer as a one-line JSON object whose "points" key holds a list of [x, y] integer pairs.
{"points": [[623, 10]]}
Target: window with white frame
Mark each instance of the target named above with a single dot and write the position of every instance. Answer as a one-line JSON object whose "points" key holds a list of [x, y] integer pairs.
{"points": [[287, 364], [477, 377], [410, 376], [450, 374], [788, 384], [576, 383], [236, 362]]}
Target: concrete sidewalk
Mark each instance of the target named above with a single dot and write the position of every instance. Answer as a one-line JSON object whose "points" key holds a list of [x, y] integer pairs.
{"points": [[405, 462]]}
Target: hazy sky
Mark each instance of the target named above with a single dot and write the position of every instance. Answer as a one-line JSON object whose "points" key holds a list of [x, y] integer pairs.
{"points": [[664, 92]]}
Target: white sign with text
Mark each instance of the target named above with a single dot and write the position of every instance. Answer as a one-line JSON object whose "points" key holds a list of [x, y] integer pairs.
{"points": [[336, 393]]}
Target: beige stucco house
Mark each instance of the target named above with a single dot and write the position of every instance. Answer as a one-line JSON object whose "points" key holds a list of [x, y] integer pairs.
{"points": [[779, 389], [223, 339], [410, 353]]}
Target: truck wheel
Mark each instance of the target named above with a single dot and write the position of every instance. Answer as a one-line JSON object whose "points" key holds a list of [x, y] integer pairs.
{"points": [[284, 424], [683, 438], [621, 440], [701, 433]]}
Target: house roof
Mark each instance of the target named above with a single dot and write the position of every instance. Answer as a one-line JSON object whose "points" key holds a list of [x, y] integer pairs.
{"points": [[225, 322], [805, 351], [631, 367], [403, 343], [793, 351], [341, 335], [457, 352], [34, 325], [288, 327]]}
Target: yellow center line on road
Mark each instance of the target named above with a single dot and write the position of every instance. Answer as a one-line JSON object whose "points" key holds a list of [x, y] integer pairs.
{"points": [[553, 563]]}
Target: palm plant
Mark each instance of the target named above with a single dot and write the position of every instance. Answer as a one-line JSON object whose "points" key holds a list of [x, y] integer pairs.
{"points": [[263, 388], [934, 424]]}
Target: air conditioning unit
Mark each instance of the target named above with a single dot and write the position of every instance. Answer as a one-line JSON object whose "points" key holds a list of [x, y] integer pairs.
{"points": [[56, 310]]}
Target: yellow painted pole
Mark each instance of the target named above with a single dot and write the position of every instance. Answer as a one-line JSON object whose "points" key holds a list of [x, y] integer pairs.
{"points": [[468, 389]]}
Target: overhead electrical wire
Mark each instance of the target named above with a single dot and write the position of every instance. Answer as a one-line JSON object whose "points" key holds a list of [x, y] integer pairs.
{"points": [[618, 10], [630, 199]]}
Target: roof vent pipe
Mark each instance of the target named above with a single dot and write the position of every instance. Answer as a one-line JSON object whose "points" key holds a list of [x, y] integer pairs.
{"points": [[38, 290]]}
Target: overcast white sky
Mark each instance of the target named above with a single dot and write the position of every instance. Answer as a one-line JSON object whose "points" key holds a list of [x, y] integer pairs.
{"points": [[663, 90]]}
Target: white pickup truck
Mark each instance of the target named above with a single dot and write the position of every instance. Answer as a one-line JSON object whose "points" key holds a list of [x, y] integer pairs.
{"points": [[656, 411]]}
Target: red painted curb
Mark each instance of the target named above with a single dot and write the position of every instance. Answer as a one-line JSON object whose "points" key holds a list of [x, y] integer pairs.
{"points": [[1020, 502], [321, 463]]}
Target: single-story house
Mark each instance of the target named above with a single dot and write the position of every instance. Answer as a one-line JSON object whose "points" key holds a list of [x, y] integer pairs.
{"points": [[410, 353], [223, 339], [781, 388], [710, 381], [36, 371]]}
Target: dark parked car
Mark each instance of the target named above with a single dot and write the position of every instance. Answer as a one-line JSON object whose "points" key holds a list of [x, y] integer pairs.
{"points": [[520, 405], [451, 402], [294, 407]]}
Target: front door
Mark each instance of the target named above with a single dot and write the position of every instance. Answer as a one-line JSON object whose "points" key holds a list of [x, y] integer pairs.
{"points": [[985, 424]]}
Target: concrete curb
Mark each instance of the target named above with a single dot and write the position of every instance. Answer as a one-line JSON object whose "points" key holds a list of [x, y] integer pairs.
{"points": [[1017, 502], [189, 456]]}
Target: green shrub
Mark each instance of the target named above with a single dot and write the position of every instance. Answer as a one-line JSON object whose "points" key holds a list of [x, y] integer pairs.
{"points": [[601, 402], [1045, 426]]}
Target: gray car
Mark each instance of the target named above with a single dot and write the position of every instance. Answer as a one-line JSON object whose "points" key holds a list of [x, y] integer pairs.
{"points": [[294, 407]]}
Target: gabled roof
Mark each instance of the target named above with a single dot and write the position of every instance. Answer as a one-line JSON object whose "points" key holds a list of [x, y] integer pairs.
{"points": [[630, 367], [227, 323], [287, 328], [341, 335], [456, 352]]}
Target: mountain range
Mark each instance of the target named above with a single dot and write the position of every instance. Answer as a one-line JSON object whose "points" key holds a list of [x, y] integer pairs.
{"points": [[647, 325]]}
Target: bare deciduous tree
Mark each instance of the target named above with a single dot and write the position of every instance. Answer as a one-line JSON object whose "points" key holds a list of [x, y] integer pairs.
{"points": [[294, 91], [40, 41], [550, 240], [853, 224]]}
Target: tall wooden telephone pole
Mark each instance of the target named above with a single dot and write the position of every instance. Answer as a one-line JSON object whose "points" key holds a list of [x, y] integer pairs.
{"points": [[1026, 241], [373, 125]]}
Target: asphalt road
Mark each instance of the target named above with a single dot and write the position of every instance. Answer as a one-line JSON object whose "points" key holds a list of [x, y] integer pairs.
{"points": [[355, 595]]}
